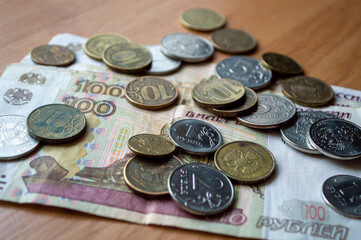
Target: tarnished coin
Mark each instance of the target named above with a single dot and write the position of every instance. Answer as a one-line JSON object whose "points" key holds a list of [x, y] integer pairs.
{"points": [[151, 93], [14, 138], [336, 138], [214, 92], [307, 91], [202, 19], [52, 55], [95, 46], [233, 41], [195, 136], [150, 145], [246, 70], [200, 189], [272, 111], [281, 63], [246, 162], [187, 47], [161, 64], [56, 123], [127, 57]]}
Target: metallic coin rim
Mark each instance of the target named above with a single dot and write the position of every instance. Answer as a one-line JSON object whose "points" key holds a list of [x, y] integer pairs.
{"points": [[169, 70], [204, 29], [280, 70], [299, 148], [150, 155], [46, 64]]}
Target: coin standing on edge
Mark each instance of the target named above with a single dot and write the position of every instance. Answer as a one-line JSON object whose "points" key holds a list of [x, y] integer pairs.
{"points": [[202, 19], [150, 145], [233, 41], [281, 63], [52, 55], [161, 64]]}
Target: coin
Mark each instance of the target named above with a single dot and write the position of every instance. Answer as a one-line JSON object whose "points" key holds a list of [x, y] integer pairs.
{"points": [[151, 93], [272, 111], [161, 64], [56, 123], [200, 189], [336, 138], [307, 91], [95, 45], [52, 55], [233, 41], [14, 138], [202, 19], [150, 177], [214, 92], [187, 47], [246, 70], [195, 136], [150, 145], [281, 63]]}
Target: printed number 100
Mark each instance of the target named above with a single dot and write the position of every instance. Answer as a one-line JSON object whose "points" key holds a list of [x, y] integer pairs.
{"points": [[314, 212]]}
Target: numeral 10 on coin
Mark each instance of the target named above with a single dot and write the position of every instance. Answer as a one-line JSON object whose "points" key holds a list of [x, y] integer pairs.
{"points": [[154, 93], [314, 212]]}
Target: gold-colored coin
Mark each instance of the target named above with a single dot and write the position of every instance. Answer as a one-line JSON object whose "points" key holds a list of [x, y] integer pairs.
{"points": [[246, 162], [151, 93], [202, 19], [281, 63], [127, 57], [52, 55], [95, 46], [216, 92], [233, 41], [150, 145], [307, 91], [150, 177]]}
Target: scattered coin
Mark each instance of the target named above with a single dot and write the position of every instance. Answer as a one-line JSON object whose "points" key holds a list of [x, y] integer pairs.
{"points": [[281, 63], [202, 19], [150, 145], [161, 64], [52, 55], [233, 41]]}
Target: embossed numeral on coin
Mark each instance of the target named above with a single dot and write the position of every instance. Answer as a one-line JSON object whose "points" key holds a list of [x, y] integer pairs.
{"points": [[154, 93], [196, 181], [225, 90]]}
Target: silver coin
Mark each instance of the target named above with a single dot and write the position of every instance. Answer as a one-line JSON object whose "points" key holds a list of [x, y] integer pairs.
{"points": [[343, 194], [295, 133], [195, 136], [200, 189], [187, 47], [272, 111], [161, 64], [246, 70], [336, 138], [14, 138]]}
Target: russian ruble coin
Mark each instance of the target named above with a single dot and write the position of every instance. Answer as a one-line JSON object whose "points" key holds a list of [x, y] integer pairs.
{"points": [[151, 93], [336, 138], [52, 55], [186, 47], [281, 63], [202, 19], [150, 145], [161, 64], [307, 91], [195, 136], [95, 46], [200, 189], [342, 193], [245, 162], [272, 111], [15, 141], [246, 70], [56, 123], [233, 41], [217, 92]]}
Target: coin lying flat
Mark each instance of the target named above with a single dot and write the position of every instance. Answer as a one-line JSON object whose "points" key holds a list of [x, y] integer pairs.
{"points": [[233, 41], [150, 145], [161, 64], [202, 19], [246, 70], [52, 55], [342, 193], [336, 138], [56, 123], [151, 93], [281, 63], [200, 189]]}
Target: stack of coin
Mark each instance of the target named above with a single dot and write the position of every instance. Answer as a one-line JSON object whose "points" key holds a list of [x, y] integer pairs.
{"points": [[202, 19]]}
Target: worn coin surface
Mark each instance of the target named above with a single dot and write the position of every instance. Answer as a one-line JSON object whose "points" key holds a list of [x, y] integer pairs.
{"points": [[151, 93], [195, 136], [281, 63], [52, 55], [200, 189], [342, 193], [246, 70], [336, 138], [150, 145], [56, 123], [233, 41], [202, 19], [161, 64]]}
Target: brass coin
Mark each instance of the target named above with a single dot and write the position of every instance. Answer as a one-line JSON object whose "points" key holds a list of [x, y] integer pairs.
{"points": [[216, 92], [52, 55], [202, 19], [246, 162], [233, 41], [150, 145], [307, 91], [281, 63], [151, 93], [95, 46], [150, 177]]}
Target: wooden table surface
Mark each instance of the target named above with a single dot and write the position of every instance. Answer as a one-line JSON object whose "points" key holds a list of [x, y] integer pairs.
{"points": [[324, 36]]}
